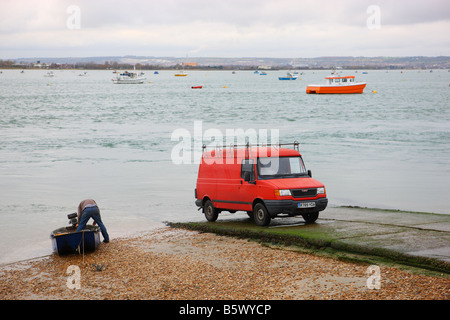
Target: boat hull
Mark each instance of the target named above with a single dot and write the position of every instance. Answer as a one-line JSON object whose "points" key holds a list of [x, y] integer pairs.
{"points": [[287, 78], [65, 241], [340, 89], [127, 81]]}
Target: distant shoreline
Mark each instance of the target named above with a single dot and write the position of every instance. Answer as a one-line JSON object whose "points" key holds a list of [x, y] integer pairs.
{"points": [[159, 68], [237, 63]]}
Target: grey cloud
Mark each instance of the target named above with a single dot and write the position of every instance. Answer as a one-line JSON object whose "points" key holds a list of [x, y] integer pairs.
{"points": [[230, 27]]}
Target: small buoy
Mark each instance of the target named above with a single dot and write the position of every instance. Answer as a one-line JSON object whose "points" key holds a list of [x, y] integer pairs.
{"points": [[224, 86], [374, 91], [149, 82]]}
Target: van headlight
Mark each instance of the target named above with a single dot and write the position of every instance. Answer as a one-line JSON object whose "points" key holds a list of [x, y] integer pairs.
{"points": [[282, 193], [321, 190]]}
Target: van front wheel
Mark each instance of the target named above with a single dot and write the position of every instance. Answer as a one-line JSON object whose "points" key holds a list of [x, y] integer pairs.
{"points": [[211, 213], [311, 217], [260, 215]]}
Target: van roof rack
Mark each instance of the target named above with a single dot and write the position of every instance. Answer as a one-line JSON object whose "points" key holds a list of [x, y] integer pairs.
{"points": [[295, 145]]}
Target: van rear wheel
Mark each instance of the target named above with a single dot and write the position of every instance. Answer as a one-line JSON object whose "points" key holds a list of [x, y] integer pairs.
{"points": [[211, 213], [261, 215]]}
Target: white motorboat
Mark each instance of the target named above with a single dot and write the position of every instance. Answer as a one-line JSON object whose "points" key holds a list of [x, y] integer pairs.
{"points": [[128, 78]]}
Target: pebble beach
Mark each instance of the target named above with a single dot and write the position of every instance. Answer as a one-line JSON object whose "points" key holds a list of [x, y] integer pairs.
{"points": [[173, 264]]}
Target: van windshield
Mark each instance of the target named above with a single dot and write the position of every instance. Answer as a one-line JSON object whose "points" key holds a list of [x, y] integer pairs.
{"points": [[282, 167]]}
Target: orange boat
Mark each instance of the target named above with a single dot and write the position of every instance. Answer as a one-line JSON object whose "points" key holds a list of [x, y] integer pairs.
{"points": [[345, 84]]}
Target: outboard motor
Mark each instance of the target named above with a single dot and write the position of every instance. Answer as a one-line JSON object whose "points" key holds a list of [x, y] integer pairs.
{"points": [[73, 220]]}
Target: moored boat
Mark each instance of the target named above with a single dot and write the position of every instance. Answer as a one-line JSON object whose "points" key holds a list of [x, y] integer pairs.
{"points": [[290, 76], [196, 87], [343, 85], [128, 78], [181, 74]]}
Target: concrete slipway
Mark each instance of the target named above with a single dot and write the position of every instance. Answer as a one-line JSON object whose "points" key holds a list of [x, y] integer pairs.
{"points": [[421, 239], [412, 233]]}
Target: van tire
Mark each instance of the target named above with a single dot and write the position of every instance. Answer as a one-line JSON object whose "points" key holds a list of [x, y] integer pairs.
{"points": [[261, 215], [311, 217], [210, 212]]}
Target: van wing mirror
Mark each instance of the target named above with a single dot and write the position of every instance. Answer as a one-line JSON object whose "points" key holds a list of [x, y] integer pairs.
{"points": [[248, 177], [309, 173]]}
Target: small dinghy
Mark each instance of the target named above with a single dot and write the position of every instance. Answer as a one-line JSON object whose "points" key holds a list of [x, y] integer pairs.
{"points": [[67, 240]]}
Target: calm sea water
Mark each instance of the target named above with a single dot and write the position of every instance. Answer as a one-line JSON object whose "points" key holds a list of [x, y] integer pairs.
{"points": [[70, 137]]}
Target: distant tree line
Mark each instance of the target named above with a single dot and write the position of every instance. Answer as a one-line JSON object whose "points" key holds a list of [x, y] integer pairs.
{"points": [[6, 64], [114, 65]]}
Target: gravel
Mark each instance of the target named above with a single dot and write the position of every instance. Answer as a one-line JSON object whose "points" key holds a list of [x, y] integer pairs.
{"points": [[168, 264]]}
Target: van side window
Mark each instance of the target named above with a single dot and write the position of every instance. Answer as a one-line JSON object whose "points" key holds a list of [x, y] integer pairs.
{"points": [[248, 166]]}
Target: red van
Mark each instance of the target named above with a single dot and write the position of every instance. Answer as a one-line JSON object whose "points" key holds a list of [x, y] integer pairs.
{"points": [[266, 182]]}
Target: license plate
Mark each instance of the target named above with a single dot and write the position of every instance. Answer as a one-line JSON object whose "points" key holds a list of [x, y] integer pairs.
{"points": [[306, 204]]}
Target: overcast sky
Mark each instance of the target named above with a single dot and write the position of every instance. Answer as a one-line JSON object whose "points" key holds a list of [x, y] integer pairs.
{"points": [[224, 28]]}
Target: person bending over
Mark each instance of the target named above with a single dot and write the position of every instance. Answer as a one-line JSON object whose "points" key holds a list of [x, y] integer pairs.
{"points": [[88, 209]]}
